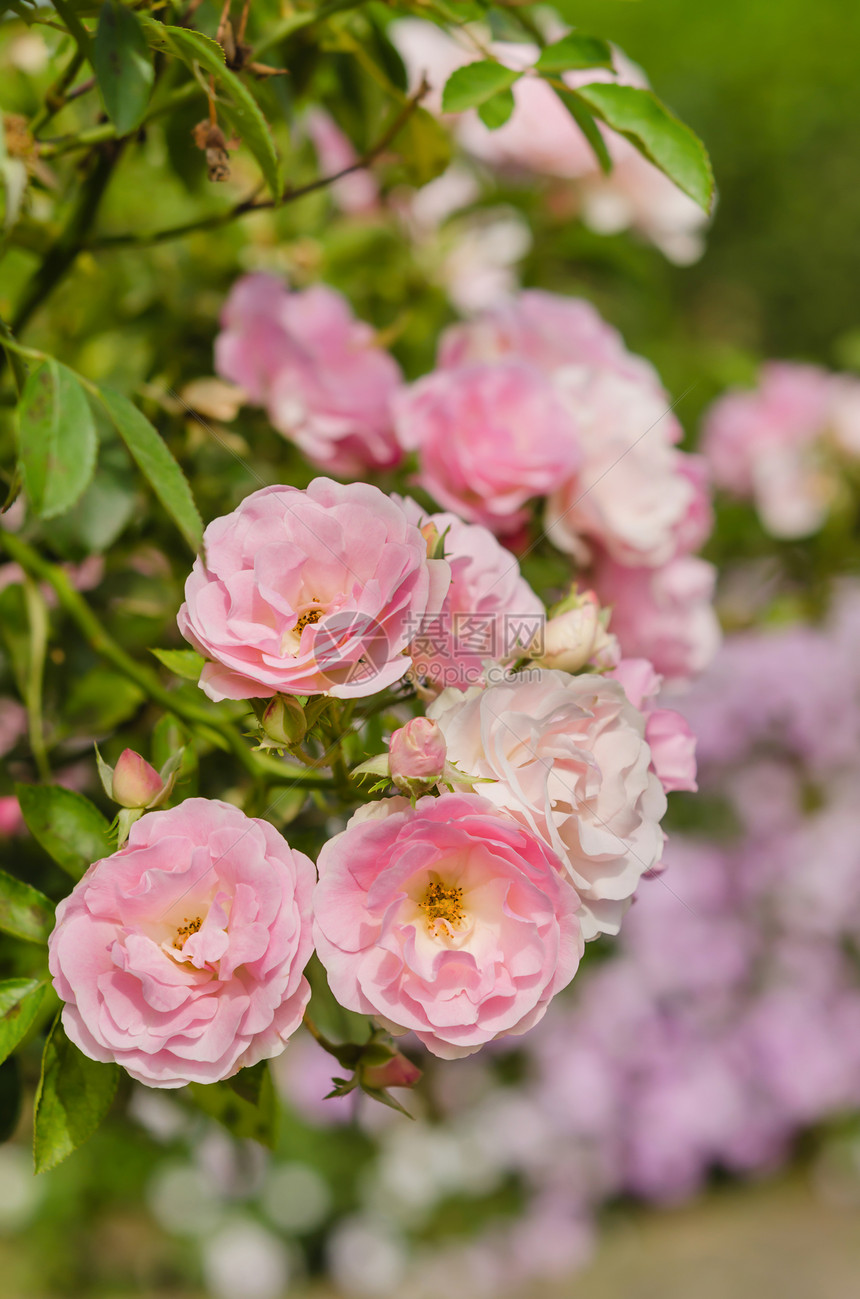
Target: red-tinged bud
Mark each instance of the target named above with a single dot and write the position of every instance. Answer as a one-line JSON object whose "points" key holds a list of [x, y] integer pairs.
{"points": [[395, 1072], [135, 782]]}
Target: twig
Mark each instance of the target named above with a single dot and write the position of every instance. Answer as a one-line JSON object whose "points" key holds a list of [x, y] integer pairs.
{"points": [[253, 205]]}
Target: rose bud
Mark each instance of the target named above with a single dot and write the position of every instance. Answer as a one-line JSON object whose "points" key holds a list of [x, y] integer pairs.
{"points": [[283, 723], [397, 1071], [575, 636], [135, 783], [416, 756]]}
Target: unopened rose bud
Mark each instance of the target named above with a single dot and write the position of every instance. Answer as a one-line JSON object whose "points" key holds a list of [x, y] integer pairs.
{"points": [[397, 1071], [283, 723], [135, 782], [430, 533], [576, 635], [416, 755]]}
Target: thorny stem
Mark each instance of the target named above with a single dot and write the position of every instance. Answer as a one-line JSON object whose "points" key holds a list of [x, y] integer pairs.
{"points": [[253, 205], [103, 643]]}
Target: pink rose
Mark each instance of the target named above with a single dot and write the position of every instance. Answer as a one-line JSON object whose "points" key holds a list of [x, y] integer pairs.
{"points": [[181, 956], [550, 331], [566, 756], [490, 611], [630, 492], [489, 438], [447, 919], [310, 592], [665, 615], [416, 755], [672, 743], [317, 370]]}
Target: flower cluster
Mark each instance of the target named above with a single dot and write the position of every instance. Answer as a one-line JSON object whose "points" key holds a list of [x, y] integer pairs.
{"points": [[529, 753], [786, 443], [723, 1025]]}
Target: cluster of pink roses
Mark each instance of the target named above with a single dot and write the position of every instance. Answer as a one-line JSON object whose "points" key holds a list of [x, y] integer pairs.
{"points": [[535, 400], [458, 916]]}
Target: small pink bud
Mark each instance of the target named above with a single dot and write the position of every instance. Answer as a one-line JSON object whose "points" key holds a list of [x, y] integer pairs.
{"points": [[396, 1072], [416, 755], [135, 782]]}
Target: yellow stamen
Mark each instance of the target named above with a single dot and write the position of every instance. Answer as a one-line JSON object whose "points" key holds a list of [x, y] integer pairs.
{"points": [[443, 904], [190, 927]]}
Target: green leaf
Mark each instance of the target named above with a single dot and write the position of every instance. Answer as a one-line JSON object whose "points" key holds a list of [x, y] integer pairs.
{"points": [[67, 825], [575, 51], [424, 147], [240, 107], [123, 66], [249, 1083], [20, 1000], [588, 126], [183, 663], [74, 1095], [661, 137], [245, 1118], [57, 439], [24, 911], [157, 465], [495, 112], [100, 701], [475, 84]]}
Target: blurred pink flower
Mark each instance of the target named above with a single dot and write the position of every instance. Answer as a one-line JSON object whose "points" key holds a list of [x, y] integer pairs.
{"points": [[318, 371], [310, 592], [489, 438], [770, 443], [181, 956], [630, 493], [541, 138], [672, 743], [448, 919], [664, 614], [549, 330], [356, 193]]}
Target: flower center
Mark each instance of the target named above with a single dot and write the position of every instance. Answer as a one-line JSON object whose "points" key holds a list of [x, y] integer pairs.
{"points": [[443, 905], [184, 930], [307, 619]]}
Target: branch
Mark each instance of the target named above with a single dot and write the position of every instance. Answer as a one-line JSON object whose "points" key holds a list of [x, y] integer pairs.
{"points": [[289, 195]]}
